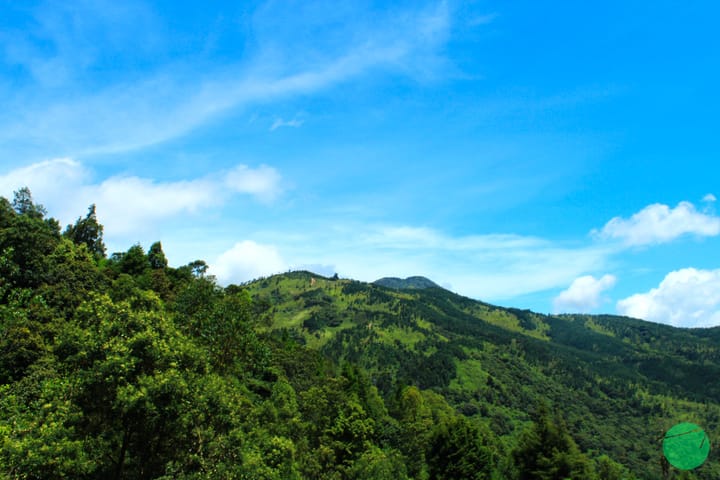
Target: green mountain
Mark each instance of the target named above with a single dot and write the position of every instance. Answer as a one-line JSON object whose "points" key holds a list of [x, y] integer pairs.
{"points": [[409, 282], [122, 367], [618, 383]]}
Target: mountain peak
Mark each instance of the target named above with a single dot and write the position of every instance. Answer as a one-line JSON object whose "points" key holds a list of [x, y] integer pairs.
{"points": [[409, 282]]}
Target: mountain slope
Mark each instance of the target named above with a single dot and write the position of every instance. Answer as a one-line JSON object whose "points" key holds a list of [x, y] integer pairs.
{"points": [[124, 367], [618, 382]]}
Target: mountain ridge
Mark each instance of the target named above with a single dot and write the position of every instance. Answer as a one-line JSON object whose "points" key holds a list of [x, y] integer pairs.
{"points": [[604, 372], [397, 283]]}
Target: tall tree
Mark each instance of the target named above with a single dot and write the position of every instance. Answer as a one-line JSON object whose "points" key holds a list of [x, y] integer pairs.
{"points": [[89, 232], [156, 256], [24, 205]]}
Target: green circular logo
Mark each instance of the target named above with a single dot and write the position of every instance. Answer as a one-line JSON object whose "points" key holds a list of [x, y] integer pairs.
{"points": [[686, 446]]}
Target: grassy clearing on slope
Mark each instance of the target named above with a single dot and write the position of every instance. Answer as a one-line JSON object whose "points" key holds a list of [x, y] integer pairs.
{"points": [[405, 336], [471, 377]]}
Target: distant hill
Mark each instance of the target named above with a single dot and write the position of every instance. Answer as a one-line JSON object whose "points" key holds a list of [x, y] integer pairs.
{"points": [[407, 283]]}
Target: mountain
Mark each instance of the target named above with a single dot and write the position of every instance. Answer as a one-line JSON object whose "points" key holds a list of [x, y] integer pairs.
{"points": [[618, 383], [409, 282], [123, 367]]}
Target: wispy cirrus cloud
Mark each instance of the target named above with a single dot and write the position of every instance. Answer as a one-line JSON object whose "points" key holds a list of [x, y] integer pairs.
{"points": [[134, 108], [279, 123], [58, 42]]}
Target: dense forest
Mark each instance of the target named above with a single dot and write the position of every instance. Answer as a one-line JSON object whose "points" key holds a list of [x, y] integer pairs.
{"points": [[122, 367]]}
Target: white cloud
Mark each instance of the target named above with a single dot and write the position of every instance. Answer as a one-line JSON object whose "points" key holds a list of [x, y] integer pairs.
{"points": [[262, 182], [709, 198], [130, 204], [659, 223], [246, 261], [279, 122], [51, 179], [489, 267], [685, 298], [324, 270], [583, 294]]}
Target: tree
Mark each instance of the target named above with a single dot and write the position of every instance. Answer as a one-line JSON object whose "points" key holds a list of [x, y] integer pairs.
{"points": [[416, 426], [456, 452], [89, 232], [379, 464], [20, 345], [228, 332], [608, 469], [24, 205], [26, 239], [156, 256], [198, 267], [546, 451], [70, 276], [132, 375], [7, 213], [36, 428], [134, 262]]}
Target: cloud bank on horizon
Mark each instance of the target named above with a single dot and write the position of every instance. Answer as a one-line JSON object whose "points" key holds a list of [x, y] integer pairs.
{"points": [[409, 138]]}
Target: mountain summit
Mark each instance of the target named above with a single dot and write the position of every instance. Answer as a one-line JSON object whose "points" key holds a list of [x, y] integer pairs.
{"points": [[409, 282]]}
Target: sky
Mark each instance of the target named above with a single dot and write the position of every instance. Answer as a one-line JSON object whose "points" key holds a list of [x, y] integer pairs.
{"points": [[556, 156]]}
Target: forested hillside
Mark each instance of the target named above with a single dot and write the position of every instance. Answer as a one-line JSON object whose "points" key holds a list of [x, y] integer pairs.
{"points": [[122, 367], [410, 282]]}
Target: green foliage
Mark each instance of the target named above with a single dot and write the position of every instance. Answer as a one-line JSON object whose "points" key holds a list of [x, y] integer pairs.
{"points": [[127, 368], [71, 276], [20, 347], [156, 256], [546, 451], [24, 205], [38, 437], [230, 337], [405, 283], [456, 452], [379, 464], [87, 231], [26, 240], [609, 469], [134, 262]]}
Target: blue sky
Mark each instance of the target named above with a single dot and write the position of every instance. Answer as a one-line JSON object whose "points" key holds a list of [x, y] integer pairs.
{"points": [[557, 156]]}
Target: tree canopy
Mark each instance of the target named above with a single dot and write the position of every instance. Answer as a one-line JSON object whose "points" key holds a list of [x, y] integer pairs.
{"points": [[128, 368]]}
